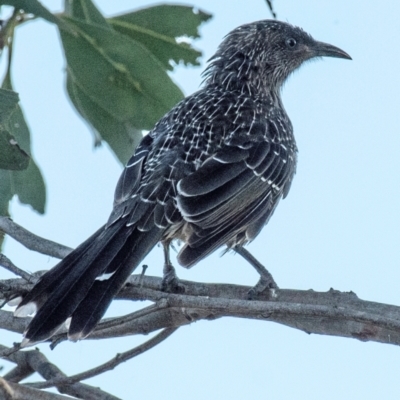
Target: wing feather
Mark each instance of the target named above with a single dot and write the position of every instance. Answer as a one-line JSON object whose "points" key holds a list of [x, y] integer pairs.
{"points": [[226, 197]]}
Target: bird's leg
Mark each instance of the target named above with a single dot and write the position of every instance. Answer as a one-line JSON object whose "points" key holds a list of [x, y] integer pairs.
{"points": [[170, 282], [266, 280]]}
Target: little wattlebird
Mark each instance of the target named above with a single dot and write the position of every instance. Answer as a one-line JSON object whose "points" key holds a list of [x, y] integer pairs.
{"points": [[210, 173]]}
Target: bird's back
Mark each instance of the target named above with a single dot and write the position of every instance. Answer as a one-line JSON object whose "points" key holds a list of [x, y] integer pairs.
{"points": [[215, 168]]}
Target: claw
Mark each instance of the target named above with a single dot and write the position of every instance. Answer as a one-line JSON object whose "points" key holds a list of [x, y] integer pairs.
{"points": [[266, 280], [170, 282], [265, 283]]}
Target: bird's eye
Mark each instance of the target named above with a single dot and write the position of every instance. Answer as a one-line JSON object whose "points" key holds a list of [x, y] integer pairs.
{"points": [[291, 43]]}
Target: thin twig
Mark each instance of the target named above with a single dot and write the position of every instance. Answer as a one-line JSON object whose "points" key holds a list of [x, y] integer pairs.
{"points": [[144, 267], [32, 241], [132, 316], [6, 263], [271, 8], [11, 390], [114, 322], [40, 364], [109, 365], [6, 352]]}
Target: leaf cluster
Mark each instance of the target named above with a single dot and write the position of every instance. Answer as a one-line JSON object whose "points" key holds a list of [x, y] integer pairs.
{"points": [[116, 78]]}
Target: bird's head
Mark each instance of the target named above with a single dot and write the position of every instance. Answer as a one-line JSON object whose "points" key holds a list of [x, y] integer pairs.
{"points": [[261, 55]]}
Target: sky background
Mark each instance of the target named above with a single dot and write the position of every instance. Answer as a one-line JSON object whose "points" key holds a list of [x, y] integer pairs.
{"points": [[338, 228]]}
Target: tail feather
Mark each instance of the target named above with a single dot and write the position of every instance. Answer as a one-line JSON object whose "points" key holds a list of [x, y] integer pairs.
{"points": [[86, 316], [55, 276], [71, 289], [60, 290]]}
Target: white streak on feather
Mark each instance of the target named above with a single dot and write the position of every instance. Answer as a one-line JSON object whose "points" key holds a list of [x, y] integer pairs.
{"points": [[68, 322], [136, 162], [14, 302], [25, 343], [26, 310], [104, 277]]}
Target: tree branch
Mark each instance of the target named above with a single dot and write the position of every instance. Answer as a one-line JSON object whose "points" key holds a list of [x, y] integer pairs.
{"points": [[20, 372], [271, 8], [109, 365], [13, 391], [32, 241], [330, 313], [37, 362], [6, 263]]}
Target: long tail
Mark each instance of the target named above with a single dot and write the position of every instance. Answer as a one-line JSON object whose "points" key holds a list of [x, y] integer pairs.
{"points": [[83, 284]]}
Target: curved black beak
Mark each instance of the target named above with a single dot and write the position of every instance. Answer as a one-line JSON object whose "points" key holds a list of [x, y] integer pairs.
{"points": [[321, 49]]}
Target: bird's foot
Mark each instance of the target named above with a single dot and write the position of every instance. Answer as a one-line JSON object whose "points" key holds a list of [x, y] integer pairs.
{"points": [[266, 282], [266, 279], [170, 282]]}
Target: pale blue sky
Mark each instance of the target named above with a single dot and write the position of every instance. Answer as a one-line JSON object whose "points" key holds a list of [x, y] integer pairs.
{"points": [[339, 226]]}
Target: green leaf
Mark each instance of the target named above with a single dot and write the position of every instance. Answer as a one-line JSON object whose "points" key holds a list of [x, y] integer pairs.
{"points": [[28, 185], [163, 47], [32, 7], [6, 191], [116, 78], [5, 197], [118, 74], [158, 28], [12, 156], [8, 103], [30, 188], [122, 137], [169, 20], [86, 11]]}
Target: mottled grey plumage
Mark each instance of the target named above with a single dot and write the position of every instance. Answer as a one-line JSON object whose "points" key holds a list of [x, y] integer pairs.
{"points": [[210, 173]]}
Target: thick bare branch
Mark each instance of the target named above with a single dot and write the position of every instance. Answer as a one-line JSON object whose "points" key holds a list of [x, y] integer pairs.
{"points": [[32, 241], [328, 313]]}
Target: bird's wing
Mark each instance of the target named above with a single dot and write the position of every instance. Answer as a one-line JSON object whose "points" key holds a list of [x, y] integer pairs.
{"points": [[234, 191], [129, 181]]}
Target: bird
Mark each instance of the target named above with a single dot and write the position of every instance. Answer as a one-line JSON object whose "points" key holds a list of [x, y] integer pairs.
{"points": [[209, 174]]}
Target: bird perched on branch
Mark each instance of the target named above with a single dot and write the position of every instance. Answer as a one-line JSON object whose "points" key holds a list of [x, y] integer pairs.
{"points": [[210, 173]]}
